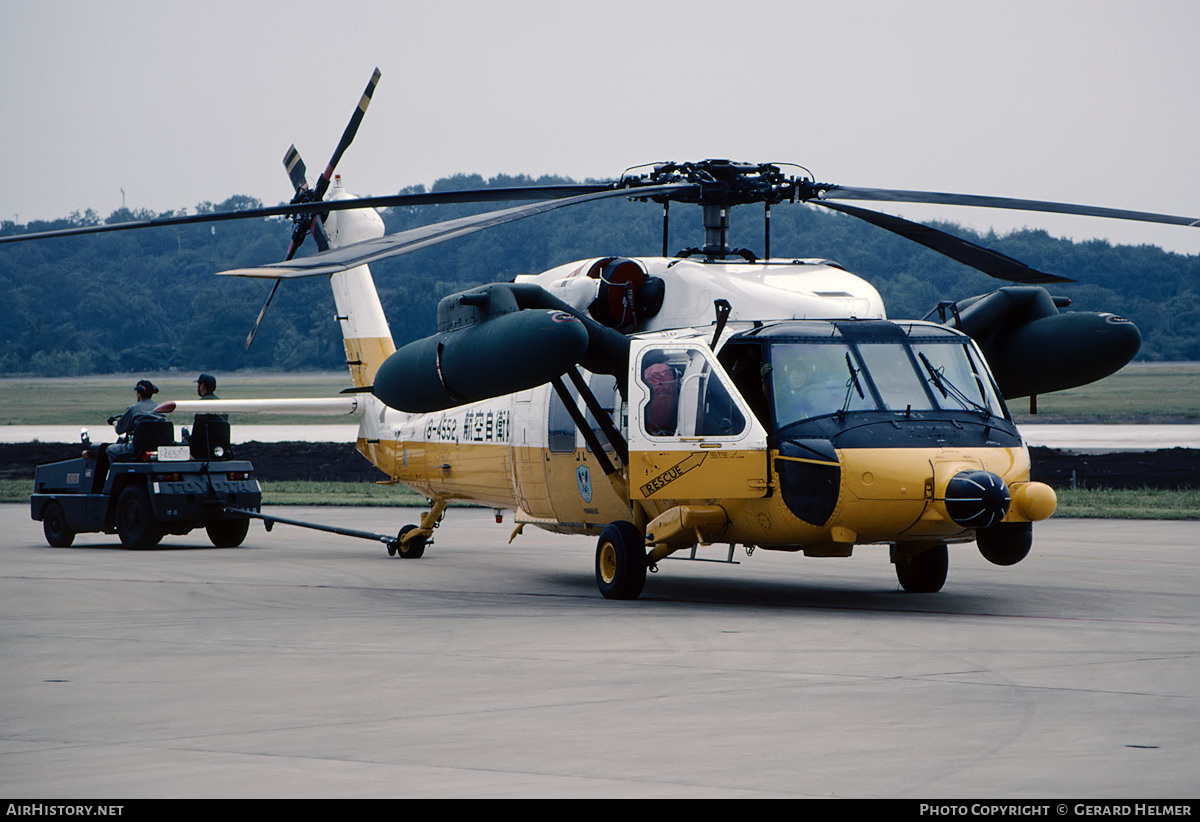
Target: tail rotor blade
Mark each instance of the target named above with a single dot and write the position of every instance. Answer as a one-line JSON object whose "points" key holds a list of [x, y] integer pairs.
{"points": [[303, 226], [261, 313], [347, 135], [297, 173], [314, 224], [295, 169]]}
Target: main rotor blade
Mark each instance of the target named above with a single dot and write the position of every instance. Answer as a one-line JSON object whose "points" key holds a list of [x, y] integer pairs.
{"points": [[981, 201], [482, 195], [992, 263], [392, 245]]}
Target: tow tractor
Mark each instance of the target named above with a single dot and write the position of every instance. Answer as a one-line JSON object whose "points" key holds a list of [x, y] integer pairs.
{"points": [[165, 488], [173, 488]]}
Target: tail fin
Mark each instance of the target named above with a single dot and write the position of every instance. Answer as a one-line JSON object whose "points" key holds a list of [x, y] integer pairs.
{"points": [[365, 331]]}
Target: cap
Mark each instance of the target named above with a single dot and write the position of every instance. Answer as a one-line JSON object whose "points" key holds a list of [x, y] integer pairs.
{"points": [[208, 381]]}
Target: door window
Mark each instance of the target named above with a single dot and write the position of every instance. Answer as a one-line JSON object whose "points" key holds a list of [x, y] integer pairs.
{"points": [[685, 396]]}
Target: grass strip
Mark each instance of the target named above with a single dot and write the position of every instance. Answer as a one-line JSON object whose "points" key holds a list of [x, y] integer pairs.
{"points": [[1118, 503]]}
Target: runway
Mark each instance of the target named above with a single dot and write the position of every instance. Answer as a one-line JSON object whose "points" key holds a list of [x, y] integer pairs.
{"points": [[305, 664]]}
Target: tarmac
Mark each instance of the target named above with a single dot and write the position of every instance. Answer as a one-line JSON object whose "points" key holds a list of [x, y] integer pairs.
{"points": [[305, 664]]}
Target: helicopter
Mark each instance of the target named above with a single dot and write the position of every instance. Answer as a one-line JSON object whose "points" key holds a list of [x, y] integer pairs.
{"points": [[708, 397]]}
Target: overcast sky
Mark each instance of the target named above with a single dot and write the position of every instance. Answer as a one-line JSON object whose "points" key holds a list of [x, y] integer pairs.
{"points": [[1086, 101]]}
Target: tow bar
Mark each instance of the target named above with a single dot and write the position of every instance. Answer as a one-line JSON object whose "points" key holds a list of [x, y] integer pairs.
{"points": [[391, 542]]}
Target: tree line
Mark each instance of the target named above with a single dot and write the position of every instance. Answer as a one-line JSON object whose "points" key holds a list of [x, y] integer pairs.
{"points": [[148, 301]]}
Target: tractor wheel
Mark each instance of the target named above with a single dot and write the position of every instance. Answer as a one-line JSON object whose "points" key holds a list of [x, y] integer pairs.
{"points": [[135, 519], [54, 526], [228, 533]]}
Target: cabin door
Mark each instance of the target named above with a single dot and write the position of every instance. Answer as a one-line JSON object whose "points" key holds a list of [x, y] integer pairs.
{"points": [[691, 434]]}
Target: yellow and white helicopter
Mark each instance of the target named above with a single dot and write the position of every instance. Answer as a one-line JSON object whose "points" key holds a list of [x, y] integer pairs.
{"points": [[713, 396]]}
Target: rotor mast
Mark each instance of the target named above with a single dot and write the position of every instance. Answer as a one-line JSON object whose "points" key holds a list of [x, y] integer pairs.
{"points": [[716, 232], [719, 185]]}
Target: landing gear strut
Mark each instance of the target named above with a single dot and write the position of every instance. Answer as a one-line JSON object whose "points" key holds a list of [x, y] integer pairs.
{"points": [[921, 569], [411, 541]]}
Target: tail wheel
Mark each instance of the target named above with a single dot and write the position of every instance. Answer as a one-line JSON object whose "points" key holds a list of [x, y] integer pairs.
{"points": [[136, 524], [621, 561], [413, 549], [54, 526], [921, 571]]}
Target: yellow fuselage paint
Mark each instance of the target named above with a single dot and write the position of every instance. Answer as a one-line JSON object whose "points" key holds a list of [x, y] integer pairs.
{"points": [[364, 355], [885, 494], [707, 471]]}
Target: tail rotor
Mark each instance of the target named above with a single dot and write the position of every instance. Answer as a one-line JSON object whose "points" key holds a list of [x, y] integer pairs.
{"points": [[313, 223]]}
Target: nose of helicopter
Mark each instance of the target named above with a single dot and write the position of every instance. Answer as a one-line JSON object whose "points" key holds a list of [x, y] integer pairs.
{"points": [[977, 498]]}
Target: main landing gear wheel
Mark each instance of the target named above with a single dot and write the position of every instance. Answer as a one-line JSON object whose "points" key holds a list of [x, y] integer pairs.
{"points": [[921, 571], [136, 525], [228, 533], [621, 561], [54, 526], [414, 549]]}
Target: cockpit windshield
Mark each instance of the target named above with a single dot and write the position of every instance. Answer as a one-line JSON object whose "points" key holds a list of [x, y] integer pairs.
{"points": [[813, 379], [818, 378], [958, 377]]}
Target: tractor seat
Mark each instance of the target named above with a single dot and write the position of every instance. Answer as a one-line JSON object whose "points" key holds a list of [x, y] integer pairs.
{"points": [[149, 435], [209, 432]]}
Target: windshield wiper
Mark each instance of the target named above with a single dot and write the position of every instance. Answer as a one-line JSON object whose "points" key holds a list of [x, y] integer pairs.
{"points": [[948, 389], [852, 384]]}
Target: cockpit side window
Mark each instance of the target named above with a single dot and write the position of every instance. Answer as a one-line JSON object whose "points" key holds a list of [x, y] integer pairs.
{"points": [[660, 414], [744, 364], [718, 415], [685, 396]]}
